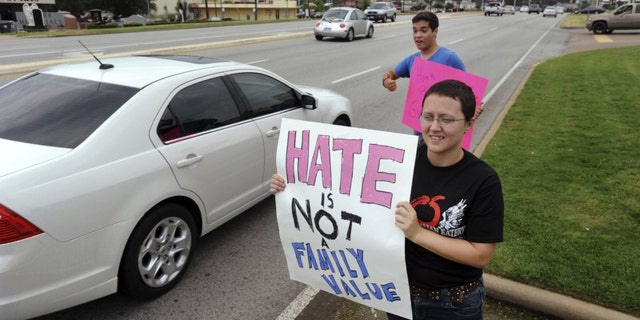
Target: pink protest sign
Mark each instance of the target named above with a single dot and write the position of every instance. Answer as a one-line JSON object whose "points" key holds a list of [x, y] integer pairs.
{"points": [[424, 74]]}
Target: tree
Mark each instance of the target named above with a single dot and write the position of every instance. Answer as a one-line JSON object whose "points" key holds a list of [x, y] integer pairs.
{"points": [[74, 7], [124, 8]]}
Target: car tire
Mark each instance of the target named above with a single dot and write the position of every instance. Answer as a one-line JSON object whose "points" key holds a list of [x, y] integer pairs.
{"points": [[158, 252], [342, 122], [370, 32], [393, 19], [319, 38], [350, 35], [384, 18], [599, 27]]}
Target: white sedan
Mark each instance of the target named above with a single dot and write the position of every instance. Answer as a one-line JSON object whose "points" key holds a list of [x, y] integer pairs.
{"points": [[111, 171], [550, 12]]}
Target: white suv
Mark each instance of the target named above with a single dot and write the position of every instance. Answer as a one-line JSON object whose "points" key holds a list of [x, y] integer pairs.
{"points": [[493, 8], [381, 11]]}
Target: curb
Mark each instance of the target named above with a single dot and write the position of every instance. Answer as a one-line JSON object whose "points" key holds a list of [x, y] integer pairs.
{"points": [[548, 302]]}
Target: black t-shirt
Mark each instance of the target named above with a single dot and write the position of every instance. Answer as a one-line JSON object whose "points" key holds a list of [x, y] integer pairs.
{"points": [[460, 201]]}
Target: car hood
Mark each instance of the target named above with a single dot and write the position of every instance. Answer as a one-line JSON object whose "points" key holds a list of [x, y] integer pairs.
{"points": [[316, 92], [17, 155]]}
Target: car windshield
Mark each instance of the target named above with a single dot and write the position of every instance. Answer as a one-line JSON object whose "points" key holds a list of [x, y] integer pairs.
{"points": [[378, 5], [57, 111], [335, 14]]}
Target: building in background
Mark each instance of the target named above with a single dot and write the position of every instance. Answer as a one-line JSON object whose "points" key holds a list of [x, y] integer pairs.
{"points": [[9, 8]]}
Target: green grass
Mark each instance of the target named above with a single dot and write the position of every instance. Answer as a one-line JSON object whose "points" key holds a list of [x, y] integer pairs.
{"points": [[567, 153], [574, 21]]}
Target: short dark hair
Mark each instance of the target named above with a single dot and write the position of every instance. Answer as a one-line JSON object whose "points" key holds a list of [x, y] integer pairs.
{"points": [[427, 16], [456, 90]]}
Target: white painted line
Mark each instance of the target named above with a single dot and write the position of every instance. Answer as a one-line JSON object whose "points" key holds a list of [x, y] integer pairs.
{"points": [[454, 42], [355, 75], [257, 61], [515, 66], [298, 304], [383, 38]]}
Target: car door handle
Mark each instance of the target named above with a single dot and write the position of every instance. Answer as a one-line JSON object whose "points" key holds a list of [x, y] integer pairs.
{"points": [[273, 132], [191, 159]]}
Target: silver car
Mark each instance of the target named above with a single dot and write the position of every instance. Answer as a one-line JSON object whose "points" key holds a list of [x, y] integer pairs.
{"points": [[110, 172], [344, 22]]}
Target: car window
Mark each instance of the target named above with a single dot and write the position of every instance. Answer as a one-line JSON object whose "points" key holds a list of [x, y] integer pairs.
{"points": [[358, 15], [336, 14], [57, 111], [265, 94], [200, 107]]}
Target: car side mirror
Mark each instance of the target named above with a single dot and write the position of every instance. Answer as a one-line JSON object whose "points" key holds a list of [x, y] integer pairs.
{"points": [[309, 102]]}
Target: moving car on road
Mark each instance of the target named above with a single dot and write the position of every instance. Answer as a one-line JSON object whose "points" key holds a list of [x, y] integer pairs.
{"points": [[509, 10], [381, 11], [110, 172], [493, 8], [534, 8], [550, 11], [343, 22]]}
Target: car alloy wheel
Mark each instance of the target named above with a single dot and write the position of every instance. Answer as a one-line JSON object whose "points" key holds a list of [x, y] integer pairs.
{"points": [[158, 252], [370, 32]]}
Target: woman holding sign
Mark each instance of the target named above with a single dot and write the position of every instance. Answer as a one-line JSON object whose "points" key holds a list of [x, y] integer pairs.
{"points": [[455, 216]]}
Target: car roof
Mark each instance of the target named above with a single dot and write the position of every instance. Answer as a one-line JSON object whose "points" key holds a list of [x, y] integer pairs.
{"points": [[137, 71], [344, 8]]}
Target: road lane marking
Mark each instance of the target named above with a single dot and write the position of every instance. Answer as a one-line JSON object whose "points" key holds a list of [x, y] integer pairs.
{"points": [[602, 38], [355, 75], [298, 304]]}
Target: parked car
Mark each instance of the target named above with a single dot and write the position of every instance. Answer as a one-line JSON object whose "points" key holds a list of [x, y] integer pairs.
{"points": [[550, 11], [381, 11], [591, 10], [493, 8], [534, 8], [509, 10], [626, 16], [343, 22], [524, 9], [560, 9], [111, 172]]}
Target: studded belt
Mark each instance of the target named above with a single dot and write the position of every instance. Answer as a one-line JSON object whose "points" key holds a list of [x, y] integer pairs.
{"points": [[456, 294]]}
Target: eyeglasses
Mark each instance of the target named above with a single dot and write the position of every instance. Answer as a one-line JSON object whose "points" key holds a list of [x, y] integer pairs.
{"points": [[443, 121]]}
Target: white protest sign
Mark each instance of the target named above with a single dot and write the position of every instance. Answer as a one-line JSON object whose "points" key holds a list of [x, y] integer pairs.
{"points": [[336, 214]]}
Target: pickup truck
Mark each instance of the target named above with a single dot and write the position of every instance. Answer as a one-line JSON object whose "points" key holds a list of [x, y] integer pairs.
{"points": [[493, 8], [626, 16], [381, 11]]}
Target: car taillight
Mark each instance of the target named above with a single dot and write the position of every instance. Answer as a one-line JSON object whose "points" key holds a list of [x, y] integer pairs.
{"points": [[342, 25], [13, 227]]}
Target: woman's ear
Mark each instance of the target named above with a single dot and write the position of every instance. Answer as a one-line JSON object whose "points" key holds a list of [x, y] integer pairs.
{"points": [[470, 124]]}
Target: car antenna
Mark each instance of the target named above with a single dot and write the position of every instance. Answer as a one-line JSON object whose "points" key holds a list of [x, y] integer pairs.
{"points": [[103, 66]]}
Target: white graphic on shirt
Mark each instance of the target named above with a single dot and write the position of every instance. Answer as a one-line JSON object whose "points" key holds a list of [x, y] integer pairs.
{"points": [[451, 223]]}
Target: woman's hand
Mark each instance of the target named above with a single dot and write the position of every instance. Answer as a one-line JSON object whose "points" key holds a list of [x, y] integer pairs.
{"points": [[407, 219], [277, 183]]}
